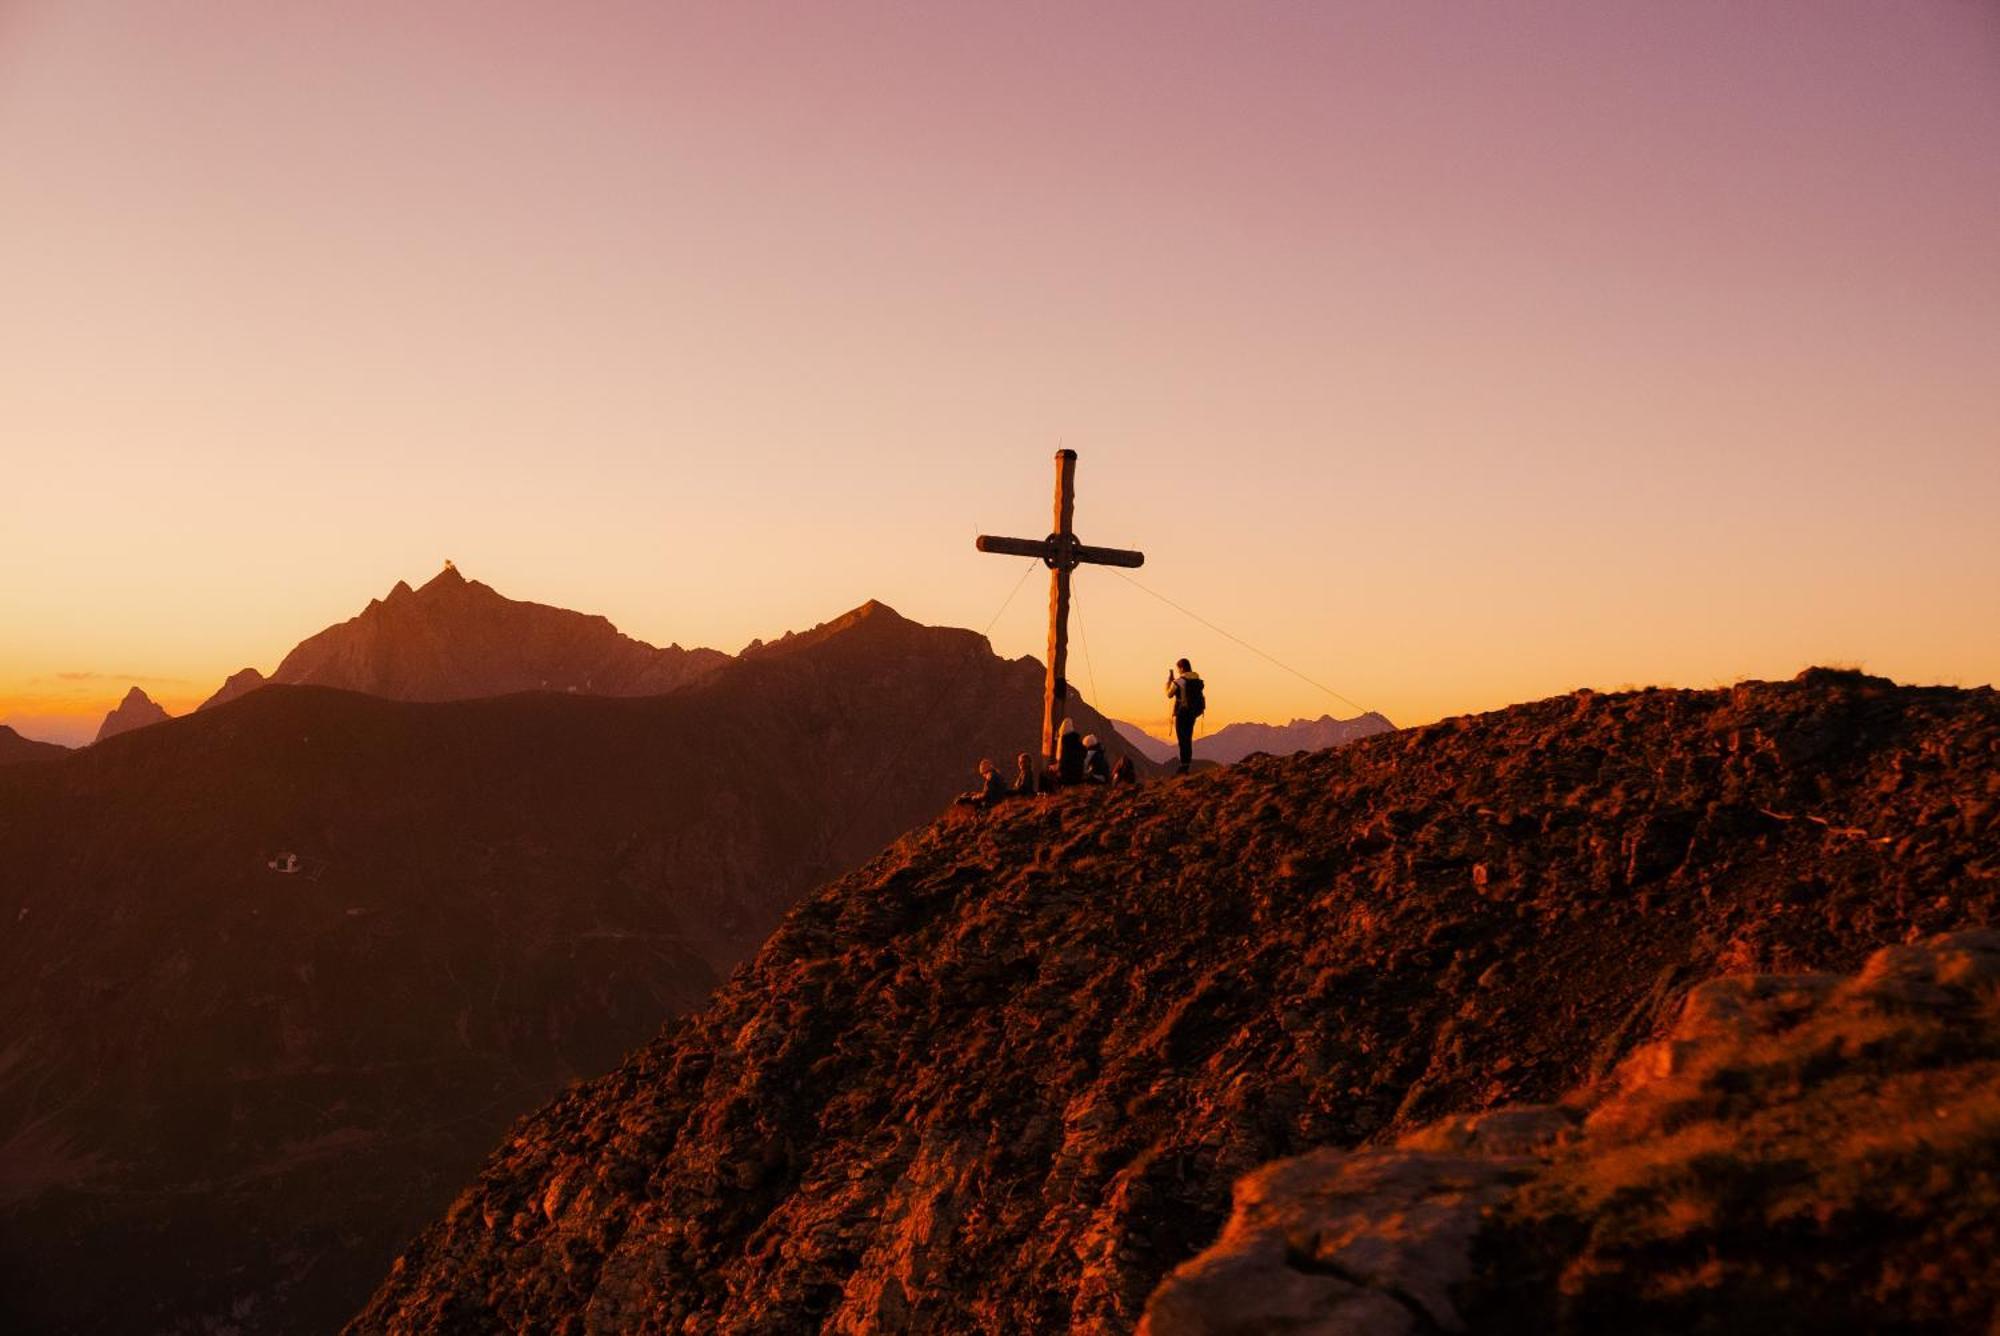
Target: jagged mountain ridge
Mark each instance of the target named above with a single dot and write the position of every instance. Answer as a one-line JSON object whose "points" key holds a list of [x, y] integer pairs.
{"points": [[458, 639], [137, 710], [1233, 742], [1322, 950], [231, 1093]]}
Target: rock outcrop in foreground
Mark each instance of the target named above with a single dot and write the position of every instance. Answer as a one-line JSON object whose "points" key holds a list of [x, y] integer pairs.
{"points": [[1005, 1077], [1802, 1153]]}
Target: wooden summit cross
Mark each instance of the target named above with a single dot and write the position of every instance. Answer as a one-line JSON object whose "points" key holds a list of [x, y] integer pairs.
{"points": [[1061, 553]]}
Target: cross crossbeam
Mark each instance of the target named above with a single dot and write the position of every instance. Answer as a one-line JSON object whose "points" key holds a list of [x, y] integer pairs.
{"points": [[1062, 554], [1047, 548]]}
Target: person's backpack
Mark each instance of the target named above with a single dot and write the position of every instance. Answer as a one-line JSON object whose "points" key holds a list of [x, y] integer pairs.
{"points": [[1193, 700]]}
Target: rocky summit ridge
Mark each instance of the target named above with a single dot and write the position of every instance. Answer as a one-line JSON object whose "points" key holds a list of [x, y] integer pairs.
{"points": [[457, 639], [1006, 1076]]}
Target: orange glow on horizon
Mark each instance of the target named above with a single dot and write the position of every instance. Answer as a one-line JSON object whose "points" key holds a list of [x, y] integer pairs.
{"points": [[1454, 357]]}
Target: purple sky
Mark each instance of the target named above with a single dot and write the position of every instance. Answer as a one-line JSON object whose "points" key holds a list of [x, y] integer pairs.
{"points": [[1455, 353]]}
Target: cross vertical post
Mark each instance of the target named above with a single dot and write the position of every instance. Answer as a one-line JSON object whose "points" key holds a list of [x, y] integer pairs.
{"points": [[1062, 554], [1055, 688]]}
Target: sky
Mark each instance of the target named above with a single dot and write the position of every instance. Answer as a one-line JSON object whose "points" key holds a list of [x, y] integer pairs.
{"points": [[1451, 355]]}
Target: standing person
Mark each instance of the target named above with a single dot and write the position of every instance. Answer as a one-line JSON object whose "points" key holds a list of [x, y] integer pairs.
{"points": [[1069, 754], [1184, 687]]}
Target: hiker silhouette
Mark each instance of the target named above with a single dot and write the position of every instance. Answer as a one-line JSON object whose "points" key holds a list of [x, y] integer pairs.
{"points": [[1190, 701]]}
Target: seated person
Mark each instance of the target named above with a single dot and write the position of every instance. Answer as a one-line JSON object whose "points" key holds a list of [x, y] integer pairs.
{"points": [[1096, 765], [991, 789]]}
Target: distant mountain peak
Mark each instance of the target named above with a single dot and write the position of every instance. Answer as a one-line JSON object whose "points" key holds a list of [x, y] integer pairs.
{"points": [[448, 578], [240, 683], [873, 622], [136, 711], [874, 610], [1325, 720], [456, 639], [1233, 742]]}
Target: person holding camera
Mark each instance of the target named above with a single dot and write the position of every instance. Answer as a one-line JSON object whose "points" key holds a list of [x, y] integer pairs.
{"points": [[1184, 687]]}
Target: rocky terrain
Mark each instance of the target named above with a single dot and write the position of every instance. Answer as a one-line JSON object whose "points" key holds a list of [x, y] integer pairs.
{"points": [[457, 639], [1233, 742], [229, 1092], [137, 710], [14, 748], [1005, 1077], [1801, 1153]]}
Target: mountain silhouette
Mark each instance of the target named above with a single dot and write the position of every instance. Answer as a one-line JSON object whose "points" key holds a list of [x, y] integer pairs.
{"points": [[1154, 749], [1004, 1077], [14, 748], [137, 710], [231, 1092], [1233, 742], [457, 639], [240, 683]]}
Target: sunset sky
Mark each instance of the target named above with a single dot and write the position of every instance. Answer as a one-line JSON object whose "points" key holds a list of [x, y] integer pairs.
{"points": [[1454, 354]]}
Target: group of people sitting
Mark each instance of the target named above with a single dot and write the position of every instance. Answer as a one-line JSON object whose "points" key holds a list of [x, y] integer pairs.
{"points": [[1080, 759]]}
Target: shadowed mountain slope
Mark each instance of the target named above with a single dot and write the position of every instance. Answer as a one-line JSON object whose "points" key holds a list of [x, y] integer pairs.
{"points": [[137, 710], [14, 748], [457, 639], [227, 1094], [1004, 1077]]}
